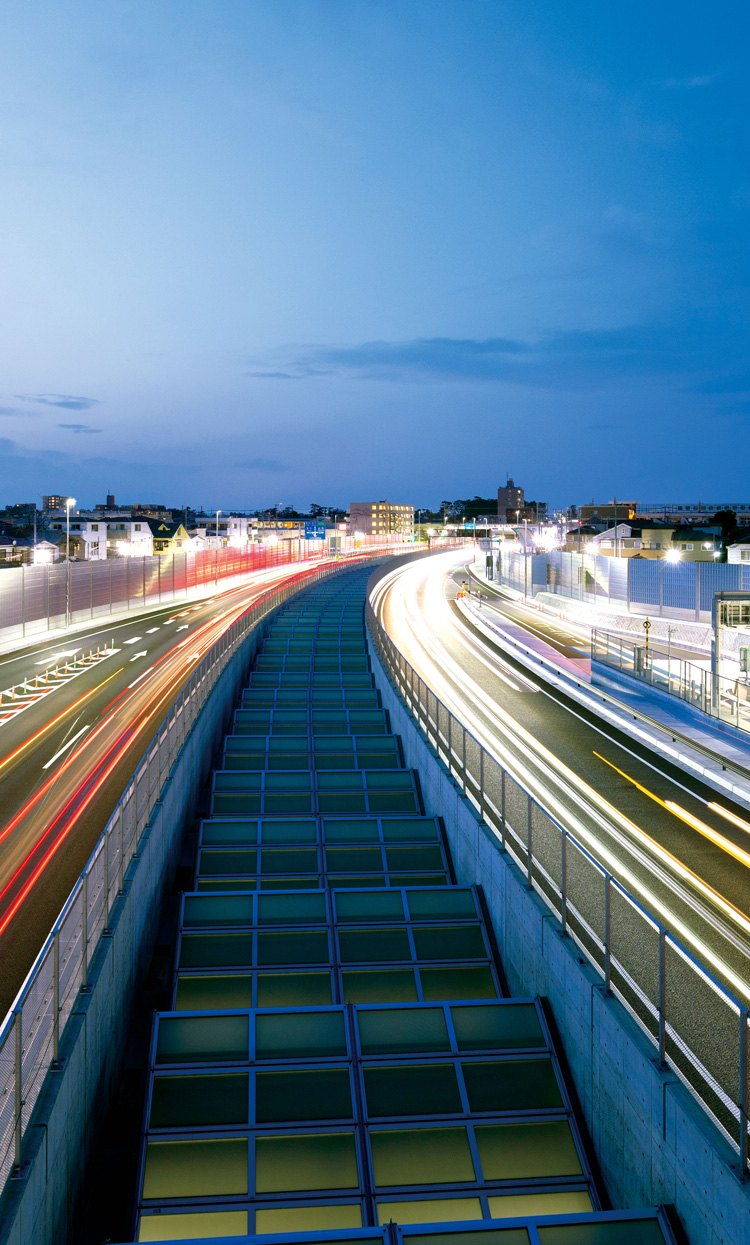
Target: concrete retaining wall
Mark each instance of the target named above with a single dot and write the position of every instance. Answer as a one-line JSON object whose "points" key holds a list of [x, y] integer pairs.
{"points": [[36, 1206], [652, 1141]]}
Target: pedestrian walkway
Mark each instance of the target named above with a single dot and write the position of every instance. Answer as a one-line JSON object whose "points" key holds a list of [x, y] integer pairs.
{"points": [[341, 1056]]}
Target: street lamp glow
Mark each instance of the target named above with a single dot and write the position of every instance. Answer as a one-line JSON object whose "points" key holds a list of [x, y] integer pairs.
{"points": [[673, 555]]}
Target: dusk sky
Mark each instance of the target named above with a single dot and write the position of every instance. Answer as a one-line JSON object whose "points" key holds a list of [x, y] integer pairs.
{"points": [[260, 251]]}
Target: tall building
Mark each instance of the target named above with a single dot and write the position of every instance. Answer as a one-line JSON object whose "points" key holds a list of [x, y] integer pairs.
{"points": [[381, 518], [509, 500], [53, 502]]}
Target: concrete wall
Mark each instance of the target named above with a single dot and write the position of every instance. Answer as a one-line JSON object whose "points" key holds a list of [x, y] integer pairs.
{"points": [[36, 1207], [652, 1141]]}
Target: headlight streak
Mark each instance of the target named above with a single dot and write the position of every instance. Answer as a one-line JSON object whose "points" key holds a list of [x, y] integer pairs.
{"points": [[399, 587]]}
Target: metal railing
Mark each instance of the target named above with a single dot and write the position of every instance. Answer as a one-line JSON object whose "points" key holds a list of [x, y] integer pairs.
{"points": [[31, 1033], [723, 698], [696, 1026]]}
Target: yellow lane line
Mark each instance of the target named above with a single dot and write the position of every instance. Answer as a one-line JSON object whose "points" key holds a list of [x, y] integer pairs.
{"points": [[43, 730], [694, 822]]}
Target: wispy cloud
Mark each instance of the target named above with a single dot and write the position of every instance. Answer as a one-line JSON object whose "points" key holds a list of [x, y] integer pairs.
{"points": [[78, 428], [687, 84], [68, 401], [574, 358], [262, 464]]}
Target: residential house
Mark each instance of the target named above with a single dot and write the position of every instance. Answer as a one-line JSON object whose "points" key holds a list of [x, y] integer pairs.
{"points": [[90, 538], [130, 539], [168, 537]]}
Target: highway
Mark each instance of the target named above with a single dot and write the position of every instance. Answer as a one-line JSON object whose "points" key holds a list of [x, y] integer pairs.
{"points": [[682, 849], [75, 718]]}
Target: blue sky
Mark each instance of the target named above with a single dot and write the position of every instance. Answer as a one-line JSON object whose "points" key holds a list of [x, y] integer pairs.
{"points": [[326, 250]]}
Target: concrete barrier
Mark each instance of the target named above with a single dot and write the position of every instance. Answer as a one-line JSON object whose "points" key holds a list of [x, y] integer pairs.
{"points": [[652, 1141]]}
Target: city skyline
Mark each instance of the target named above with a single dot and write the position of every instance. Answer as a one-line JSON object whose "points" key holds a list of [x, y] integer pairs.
{"points": [[245, 249]]}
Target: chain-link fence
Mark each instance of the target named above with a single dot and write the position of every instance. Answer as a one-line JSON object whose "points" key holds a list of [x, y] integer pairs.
{"points": [[695, 1024], [30, 1036]]}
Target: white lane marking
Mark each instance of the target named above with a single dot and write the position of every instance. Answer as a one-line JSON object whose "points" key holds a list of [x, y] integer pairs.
{"points": [[133, 640], [137, 655], [140, 676], [65, 747], [184, 627], [192, 657], [151, 630], [71, 652]]}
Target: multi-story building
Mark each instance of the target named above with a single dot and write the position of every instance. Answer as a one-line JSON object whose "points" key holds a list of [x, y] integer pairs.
{"points": [[509, 501], [88, 540], [381, 518], [53, 502], [128, 538]]}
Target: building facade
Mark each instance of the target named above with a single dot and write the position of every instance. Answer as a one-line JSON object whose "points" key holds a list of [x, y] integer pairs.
{"points": [[381, 518]]}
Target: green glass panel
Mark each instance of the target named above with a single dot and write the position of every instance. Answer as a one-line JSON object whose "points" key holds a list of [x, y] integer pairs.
{"points": [[299, 1035], [290, 860], [229, 832], [421, 859], [216, 950], [287, 832], [310, 1094], [289, 781], [382, 746], [225, 884], [418, 879], [294, 989], [513, 1085], [195, 1168], [364, 906], [353, 859], [290, 908], [520, 1151], [627, 1232], [388, 780], [286, 762], [215, 862], [450, 942], [442, 1210], [334, 743], [402, 1031], [341, 802], [338, 780], [352, 881], [286, 882], [518, 1205], [333, 761], [410, 830], [345, 830], [369, 760], [457, 983], [218, 910], [213, 993], [289, 743], [283, 805], [195, 1225], [235, 805], [441, 903], [493, 1236], [395, 985], [420, 1156], [372, 946], [303, 947], [510, 1026], [200, 1039], [412, 1089], [392, 802], [194, 1101], [300, 1162]]}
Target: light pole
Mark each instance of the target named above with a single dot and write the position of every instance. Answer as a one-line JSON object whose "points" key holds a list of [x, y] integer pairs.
{"points": [[525, 560], [216, 563], [69, 501]]}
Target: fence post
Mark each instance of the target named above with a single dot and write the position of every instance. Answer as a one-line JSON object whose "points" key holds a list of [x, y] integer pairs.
{"points": [[18, 1095], [463, 756], [662, 995], [450, 745], [743, 1092], [120, 863], [529, 877], [106, 859], [55, 998], [564, 883], [85, 930], [481, 782], [502, 808], [607, 938]]}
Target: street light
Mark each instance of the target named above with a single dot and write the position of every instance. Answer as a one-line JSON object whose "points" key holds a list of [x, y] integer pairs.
{"points": [[216, 563], [69, 501]]}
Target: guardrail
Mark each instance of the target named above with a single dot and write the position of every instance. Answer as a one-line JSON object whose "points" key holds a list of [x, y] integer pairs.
{"points": [[696, 1026], [31, 1033], [723, 698]]}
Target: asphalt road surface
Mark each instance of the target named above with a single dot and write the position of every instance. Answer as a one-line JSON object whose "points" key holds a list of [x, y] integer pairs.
{"points": [[682, 849]]}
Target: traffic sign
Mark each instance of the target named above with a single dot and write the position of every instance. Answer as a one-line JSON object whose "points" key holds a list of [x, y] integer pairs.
{"points": [[314, 531]]}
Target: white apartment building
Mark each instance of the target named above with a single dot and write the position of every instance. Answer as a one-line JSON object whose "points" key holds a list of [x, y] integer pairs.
{"points": [[381, 518], [128, 538]]}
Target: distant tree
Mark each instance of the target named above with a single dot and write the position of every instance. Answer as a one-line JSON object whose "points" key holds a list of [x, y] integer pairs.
{"points": [[728, 522]]}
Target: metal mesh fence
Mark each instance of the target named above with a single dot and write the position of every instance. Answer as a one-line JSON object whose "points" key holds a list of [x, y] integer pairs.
{"points": [[698, 1028]]}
